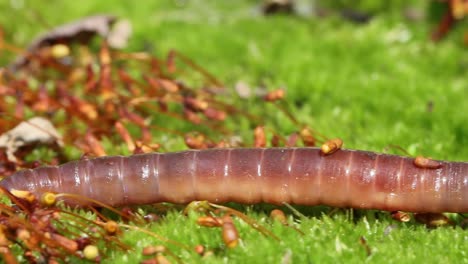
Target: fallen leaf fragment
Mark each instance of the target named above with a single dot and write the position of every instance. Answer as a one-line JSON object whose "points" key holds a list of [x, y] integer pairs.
{"points": [[37, 130]]}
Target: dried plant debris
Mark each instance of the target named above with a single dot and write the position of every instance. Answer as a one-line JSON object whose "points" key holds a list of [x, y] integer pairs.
{"points": [[270, 7], [456, 11], [80, 31], [120, 33], [37, 130]]}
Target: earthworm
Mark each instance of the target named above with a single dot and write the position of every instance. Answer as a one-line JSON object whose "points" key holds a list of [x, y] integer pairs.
{"points": [[304, 176]]}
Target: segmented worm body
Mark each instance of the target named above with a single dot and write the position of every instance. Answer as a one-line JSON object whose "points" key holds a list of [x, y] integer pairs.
{"points": [[346, 178]]}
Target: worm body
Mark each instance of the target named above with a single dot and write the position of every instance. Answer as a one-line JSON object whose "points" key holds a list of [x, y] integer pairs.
{"points": [[346, 178]]}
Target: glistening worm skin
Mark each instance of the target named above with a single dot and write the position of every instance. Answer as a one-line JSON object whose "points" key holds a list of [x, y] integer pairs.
{"points": [[346, 178]]}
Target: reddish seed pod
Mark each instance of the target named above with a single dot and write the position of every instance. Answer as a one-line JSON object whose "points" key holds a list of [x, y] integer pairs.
{"points": [[94, 145], [192, 116], [274, 95], [200, 249], [132, 117], [108, 108], [307, 137], [195, 104], [169, 85], [279, 216], [215, 114], [23, 234], [155, 86], [19, 106], [43, 101], [401, 216], [111, 227], [221, 144], [275, 141], [146, 134], [129, 82], [91, 81], [125, 77], [123, 132], [141, 147], [209, 221], [104, 54], [105, 83], [230, 234], [331, 146], [105, 78], [155, 66], [292, 140], [68, 244], [86, 109], [426, 163], [195, 141], [259, 137]]}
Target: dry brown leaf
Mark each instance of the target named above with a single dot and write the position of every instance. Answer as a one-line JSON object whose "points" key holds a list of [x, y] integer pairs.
{"points": [[37, 130], [80, 31]]}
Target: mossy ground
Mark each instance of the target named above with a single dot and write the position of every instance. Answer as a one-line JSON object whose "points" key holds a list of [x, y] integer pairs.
{"points": [[373, 85]]}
